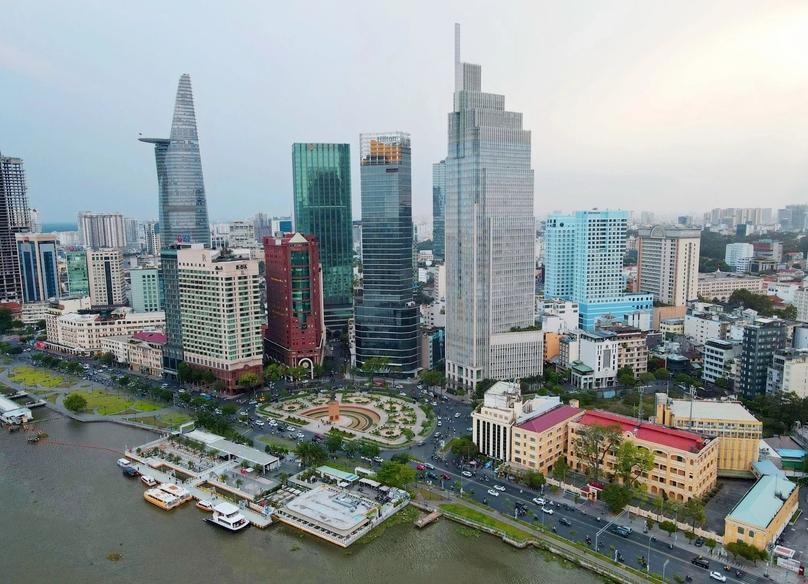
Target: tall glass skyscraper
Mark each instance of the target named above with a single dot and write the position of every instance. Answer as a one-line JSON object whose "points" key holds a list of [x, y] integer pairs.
{"points": [[183, 209], [322, 187], [78, 278], [439, 210], [490, 235], [386, 316], [14, 218], [181, 188]]}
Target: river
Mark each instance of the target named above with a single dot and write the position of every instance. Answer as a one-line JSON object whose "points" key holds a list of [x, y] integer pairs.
{"points": [[64, 510]]}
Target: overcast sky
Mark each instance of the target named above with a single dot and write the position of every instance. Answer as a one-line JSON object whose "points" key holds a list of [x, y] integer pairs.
{"points": [[676, 106]]}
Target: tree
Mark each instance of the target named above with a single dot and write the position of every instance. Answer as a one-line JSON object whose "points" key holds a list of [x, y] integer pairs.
{"points": [[746, 551], [310, 453], [297, 373], [5, 319], [560, 468], [319, 370], [374, 366], [694, 510], [370, 450], [350, 447], [625, 376], [631, 462], [722, 382], [668, 526], [647, 377], [249, 380], [332, 442], [594, 442], [401, 458], [275, 371], [434, 378], [395, 474], [75, 402], [229, 409], [465, 447], [107, 358], [662, 373], [616, 497], [534, 479]]}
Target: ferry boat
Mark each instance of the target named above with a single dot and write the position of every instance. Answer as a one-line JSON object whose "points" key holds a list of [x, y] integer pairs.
{"points": [[182, 494], [148, 481], [166, 501], [122, 462], [204, 505], [227, 516]]}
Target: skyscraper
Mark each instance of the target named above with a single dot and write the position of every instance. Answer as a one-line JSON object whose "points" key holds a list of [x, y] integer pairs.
{"points": [[132, 234], [668, 263], [78, 280], [99, 230], [106, 277], [490, 235], [151, 233], [183, 206], [322, 185], [145, 289], [14, 218], [584, 263], [439, 210], [36, 220], [295, 333], [760, 342], [183, 210], [387, 317], [38, 266]]}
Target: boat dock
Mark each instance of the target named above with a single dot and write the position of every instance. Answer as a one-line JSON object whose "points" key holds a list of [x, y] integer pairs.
{"points": [[253, 513], [427, 519]]}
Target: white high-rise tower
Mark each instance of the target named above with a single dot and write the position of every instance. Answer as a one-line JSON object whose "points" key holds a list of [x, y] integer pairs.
{"points": [[490, 234]]}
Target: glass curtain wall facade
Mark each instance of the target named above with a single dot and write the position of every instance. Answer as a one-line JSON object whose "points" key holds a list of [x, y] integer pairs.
{"points": [[322, 190], [78, 278], [14, 218], [386, 316], [438, 210], [490, 230], [182, 202], [38, 266]]}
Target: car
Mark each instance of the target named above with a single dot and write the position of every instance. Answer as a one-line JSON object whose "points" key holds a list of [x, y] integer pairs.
{"points": [[466, 473], [440, 423], [260, 423], [429, 466], [469, 429], [718, 576], [420, 466], [432, 476], [252, 402], [399, 387], [457, 415], [250, 418], [493, 493], [565, 521], [699, 542], [701, 562], [422, 442], [499, 488], [620, 530], [445, 477], [281, 428], [541, 501], [378, 459], [301, 435], [272, 422], [547, 510], [434, 404], [403, 394]]}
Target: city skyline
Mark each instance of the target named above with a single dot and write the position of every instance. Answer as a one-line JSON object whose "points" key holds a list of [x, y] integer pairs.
{"points": [[626, 102]]}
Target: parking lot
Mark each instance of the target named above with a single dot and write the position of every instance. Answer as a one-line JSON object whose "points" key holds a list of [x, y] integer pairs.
{"points": [[724, 502]]}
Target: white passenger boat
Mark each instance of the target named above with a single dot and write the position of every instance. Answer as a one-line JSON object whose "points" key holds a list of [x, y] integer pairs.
{"points": [[228, 516], [204, 505], [147, 480], [158, 497], [122, 462]]}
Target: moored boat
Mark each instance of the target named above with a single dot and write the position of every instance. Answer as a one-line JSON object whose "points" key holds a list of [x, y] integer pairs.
{"points": [[158, 497], [122, 462], [204, 505], [130, 471], [228, 517], [147, 480]]}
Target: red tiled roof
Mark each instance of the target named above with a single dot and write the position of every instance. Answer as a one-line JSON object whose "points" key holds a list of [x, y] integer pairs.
{"points": [[661, 435], [550, 419], [151, 336]]}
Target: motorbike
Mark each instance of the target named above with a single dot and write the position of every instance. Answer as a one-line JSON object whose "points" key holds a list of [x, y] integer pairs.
{"points": [[738, 573], [689, 578]]}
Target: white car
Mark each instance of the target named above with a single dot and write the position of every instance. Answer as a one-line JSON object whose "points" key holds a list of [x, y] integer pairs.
{"points": [[541, 501], [466, 473], [499, 488], [301, 435], [440, 423], [259, 423], [252, 402], [718, 576], [434, 404], [378, 459], [403, 394], [457, 415], [272, 422], [547, 510], [399, 387], [493, 493]]}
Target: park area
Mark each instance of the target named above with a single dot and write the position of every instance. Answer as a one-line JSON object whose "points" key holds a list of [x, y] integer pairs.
{"points": [[33, 377]]}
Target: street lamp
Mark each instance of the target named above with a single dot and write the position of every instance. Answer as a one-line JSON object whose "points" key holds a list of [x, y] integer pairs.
{"points": [[648, 562], [665, 565]]}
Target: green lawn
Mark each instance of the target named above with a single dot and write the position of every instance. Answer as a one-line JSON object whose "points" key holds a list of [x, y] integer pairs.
{"points": [[32, 376], [115, 408], [175, 418], [479, 517], [144, 406], [150, 421]]}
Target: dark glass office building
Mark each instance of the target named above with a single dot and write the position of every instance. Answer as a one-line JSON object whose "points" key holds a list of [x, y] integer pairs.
{"points": [[760, 341], [439, 210], [387, 316], [14, 218], [322, 187]]}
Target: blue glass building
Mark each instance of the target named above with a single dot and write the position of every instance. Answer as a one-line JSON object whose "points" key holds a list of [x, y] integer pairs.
{"points": [[39, 271]]}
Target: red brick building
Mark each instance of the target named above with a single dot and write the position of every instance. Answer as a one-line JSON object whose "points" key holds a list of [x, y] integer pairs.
{"points": [[295, 332]]}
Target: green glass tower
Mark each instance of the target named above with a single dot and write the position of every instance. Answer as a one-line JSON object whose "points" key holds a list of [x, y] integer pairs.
{"points": [[78, 281], [322, 186]]}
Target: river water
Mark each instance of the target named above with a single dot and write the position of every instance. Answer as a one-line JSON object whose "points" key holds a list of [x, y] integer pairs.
{"points": [[64, 509]]}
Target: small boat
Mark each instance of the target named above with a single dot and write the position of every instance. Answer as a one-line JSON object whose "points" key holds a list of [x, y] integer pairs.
{"points": [[166, 501], [204, 505], [228, 517], [123, 462], [147, 480], [130, 471]]}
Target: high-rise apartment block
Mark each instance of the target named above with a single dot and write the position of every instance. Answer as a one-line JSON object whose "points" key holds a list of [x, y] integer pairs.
{"points": [[760, 343], [183, 206], [490, 234], [101, 230], [78, 279], [439, 210], [584, 261], [35, 221], [39, 270], [295, 333], [386, 315], [132, 233], [14, 218], [241, 234], [733, 217], [322, 191], [145, 286], [738, 255], [220, 307], [668, 263], [106, 277], [151, 233]]}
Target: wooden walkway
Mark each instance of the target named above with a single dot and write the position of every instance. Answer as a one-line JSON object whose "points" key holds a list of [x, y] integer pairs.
{"points": [[427, 519]]}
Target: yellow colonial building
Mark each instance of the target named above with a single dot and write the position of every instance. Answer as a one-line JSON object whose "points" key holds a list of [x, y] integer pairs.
{"points": [[685, 463], [763, 514], [539, 441], [738, 431]]}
